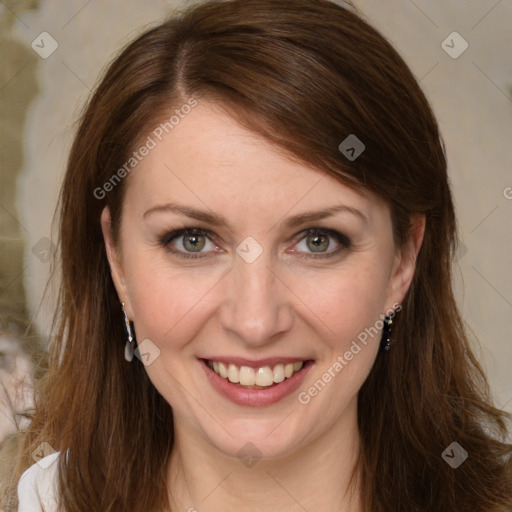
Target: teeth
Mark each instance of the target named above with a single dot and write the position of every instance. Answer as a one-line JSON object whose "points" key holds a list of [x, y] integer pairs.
{"points": [[223, 371], [279, 373], [288, 370], [264, 376], [247, 376], [233, 373]]}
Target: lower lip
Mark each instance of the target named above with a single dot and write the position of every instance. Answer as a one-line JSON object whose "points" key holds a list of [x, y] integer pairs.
{"points": [[256, 397]]}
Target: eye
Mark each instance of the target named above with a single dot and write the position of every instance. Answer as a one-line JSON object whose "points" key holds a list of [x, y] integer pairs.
{"points": [[317, 240], [188, 242]]}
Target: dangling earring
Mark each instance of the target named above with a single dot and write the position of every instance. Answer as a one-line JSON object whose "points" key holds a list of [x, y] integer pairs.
{"points": [[385, 342], [128, 348]]}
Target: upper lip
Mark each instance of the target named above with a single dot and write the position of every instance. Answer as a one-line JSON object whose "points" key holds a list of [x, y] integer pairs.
{"points": [[255, 363]]}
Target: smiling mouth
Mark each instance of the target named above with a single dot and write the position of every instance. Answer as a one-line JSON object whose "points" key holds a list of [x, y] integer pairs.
{"points": [[263, 377]]}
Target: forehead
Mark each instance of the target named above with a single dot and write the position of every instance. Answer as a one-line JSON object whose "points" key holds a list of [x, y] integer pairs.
{"points": [[209, 160]]}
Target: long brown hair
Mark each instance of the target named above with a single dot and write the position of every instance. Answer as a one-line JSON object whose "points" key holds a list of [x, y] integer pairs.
{"points": [[305, 74]]}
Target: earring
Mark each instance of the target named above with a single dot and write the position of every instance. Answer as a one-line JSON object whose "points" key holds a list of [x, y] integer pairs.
{"points": [[385, 342], [128, 348]]}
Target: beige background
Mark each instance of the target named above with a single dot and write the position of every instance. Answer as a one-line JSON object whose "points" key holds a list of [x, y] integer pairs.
{"points": [[471, 96]]}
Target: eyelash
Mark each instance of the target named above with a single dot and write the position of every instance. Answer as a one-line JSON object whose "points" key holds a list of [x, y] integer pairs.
{"points": [[168, 237]]}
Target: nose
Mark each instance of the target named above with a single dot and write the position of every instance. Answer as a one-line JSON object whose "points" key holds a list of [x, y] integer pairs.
{"points": [[257, 308]]}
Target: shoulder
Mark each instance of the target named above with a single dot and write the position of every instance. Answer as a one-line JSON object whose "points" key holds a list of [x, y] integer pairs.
{"points": [[37, 488]]}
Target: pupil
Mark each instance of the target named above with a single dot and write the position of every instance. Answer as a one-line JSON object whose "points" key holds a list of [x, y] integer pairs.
{"points": [[318, 241], [194, 242]]}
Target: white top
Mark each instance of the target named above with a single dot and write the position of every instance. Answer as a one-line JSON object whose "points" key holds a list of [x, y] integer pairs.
{"points": [[38, 486]]}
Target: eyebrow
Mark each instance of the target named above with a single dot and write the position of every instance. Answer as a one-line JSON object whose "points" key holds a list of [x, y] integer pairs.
{"points": [[291, 222]]}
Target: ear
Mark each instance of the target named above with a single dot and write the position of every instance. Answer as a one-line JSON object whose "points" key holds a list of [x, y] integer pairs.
{"points": [[405, 262], [116, 269]]}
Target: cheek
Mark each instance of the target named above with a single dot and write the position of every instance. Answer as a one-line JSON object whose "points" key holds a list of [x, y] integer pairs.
{"points": [[165, 299], [348, 305], [169, 308], [345, 302]]}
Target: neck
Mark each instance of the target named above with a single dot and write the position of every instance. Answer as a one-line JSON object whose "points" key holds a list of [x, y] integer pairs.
{"points": [[315, 477]]}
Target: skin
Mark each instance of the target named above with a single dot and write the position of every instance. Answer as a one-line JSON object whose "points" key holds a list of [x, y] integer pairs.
{"points": [[278, 305]]}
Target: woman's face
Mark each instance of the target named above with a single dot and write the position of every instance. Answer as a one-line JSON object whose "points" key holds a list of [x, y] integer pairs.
{"points": [[283, 264]]}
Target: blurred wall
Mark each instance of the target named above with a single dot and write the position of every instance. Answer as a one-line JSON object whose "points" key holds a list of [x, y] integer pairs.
{"points": [[52, 53]]}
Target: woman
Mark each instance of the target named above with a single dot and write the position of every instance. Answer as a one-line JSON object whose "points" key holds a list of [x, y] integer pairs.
{"points": [[256, 309]]}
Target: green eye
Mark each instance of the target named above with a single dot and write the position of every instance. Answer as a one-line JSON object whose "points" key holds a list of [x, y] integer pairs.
{"points": [[193, 243], [318, 241], [190, 242]]}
